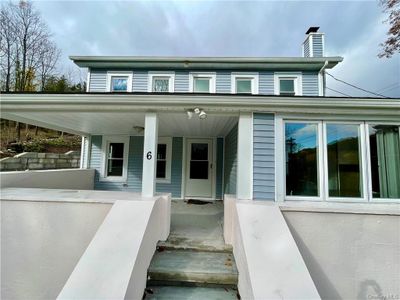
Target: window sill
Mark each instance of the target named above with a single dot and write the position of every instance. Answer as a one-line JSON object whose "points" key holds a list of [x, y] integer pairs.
{"points": [[113, 179], [163, 181], [372, 208]]}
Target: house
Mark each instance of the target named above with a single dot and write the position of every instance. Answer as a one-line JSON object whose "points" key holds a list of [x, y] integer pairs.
{"points": [[260, 129]]}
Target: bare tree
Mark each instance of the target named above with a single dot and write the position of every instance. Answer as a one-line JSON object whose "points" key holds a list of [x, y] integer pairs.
{"points": [[392, 43], [7, 46], [49, 55]]}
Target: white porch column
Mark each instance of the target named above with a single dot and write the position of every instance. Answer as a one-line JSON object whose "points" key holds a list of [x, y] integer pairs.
{"points": [[150, 155], [244, 178]]}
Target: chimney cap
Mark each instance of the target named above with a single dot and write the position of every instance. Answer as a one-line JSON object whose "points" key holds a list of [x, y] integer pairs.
{"points": [[312, 29]]}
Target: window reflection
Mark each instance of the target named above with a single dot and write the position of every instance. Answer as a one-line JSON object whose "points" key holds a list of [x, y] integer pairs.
{"points": [[344, 167], [301, 159], [385, 161]]}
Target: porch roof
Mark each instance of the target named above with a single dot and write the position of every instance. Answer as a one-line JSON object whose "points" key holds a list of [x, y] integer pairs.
{"points": [[111, 113], [253, 63]]}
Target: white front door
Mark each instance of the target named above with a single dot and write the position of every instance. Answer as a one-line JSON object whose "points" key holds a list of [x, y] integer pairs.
{"points": [[199, 164]]}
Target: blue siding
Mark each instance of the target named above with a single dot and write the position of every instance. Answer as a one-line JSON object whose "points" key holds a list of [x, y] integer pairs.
{"points": [[181, 81], [140, 81], [310, 84], [266, 83], [223, 82], [307, 47], [317, 43], [176, 170], [263, 157], [135, 166], [220, 166], [230, 163], [98, 80]]}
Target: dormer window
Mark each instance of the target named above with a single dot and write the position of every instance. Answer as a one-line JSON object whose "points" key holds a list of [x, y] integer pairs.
{"points": [[119, 82], [244, 83], [288, 84], [202, 82], [161, 82]]}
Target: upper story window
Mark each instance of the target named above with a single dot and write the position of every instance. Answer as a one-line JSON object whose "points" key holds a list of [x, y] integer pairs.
{"points": [[287, 84], [164, 156], [119, 81], [244, 83], [202, 82], [115, 158], [161, 82]]}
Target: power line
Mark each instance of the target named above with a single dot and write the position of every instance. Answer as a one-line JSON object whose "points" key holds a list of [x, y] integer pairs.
{"points": [[395, 84], [337, 92], [356, 87]]}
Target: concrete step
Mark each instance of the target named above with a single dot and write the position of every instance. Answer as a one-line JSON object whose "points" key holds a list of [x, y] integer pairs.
{"points": [[181, 243], [190, 293], [204, 268]]}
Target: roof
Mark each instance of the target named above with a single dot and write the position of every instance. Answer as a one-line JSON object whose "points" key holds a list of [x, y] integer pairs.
{"points": [[242, 63]]}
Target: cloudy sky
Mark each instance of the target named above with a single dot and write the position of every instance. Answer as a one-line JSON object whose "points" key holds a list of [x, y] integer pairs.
{"points": [[223, 28]]}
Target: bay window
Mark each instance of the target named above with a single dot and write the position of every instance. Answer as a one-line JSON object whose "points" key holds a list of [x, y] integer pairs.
{"points": [[338, 161]]}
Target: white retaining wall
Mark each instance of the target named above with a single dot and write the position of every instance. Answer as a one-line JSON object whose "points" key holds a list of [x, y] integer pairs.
{"points": [[81, 179], [41, 242], [350, 255]]}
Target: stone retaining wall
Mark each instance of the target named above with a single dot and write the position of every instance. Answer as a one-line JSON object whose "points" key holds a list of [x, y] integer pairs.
{"points": [[40, 161]]}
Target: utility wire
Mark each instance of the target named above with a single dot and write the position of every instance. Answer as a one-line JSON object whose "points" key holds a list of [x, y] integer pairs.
{"points": [[356, 87], [395, 84], [337, 92]]}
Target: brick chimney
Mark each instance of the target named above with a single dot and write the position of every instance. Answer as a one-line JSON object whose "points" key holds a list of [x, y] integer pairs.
{"points": [[313, 45]]}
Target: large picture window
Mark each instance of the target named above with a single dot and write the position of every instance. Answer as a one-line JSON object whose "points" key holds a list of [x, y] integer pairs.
{"points": [[385, 161], [301, 142], [338, 161], [344, 160]]}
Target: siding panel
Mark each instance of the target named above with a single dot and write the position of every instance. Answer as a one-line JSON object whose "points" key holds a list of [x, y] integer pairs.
{"points": [[230, 164], [263, 157], [139, 81], [266, 83], [310, 84], [223, 82], [98, 80], [176, 170], [317, 42], [181, 81]]}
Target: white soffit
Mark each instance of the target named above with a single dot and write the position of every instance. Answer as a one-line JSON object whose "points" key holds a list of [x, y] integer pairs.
{"points": [[110, 123]]}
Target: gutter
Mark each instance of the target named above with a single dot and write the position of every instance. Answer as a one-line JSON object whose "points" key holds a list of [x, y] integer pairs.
{"points": [[322, 89]]}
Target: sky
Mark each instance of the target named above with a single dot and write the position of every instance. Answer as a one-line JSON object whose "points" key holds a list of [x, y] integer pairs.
{"points": [[353, 30]]}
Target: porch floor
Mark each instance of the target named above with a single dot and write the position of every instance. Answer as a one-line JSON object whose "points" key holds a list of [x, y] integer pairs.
{"points": [[196, 227]]}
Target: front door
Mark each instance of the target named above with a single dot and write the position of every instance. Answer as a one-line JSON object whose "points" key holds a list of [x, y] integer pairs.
{"points": [[199, 164]]}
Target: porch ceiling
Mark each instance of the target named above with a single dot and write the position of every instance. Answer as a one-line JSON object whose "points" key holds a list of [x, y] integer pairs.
{"points": [[110, 123]]}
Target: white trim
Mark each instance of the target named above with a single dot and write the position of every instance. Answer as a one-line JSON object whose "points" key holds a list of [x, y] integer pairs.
{"points": [[149, 154], [296, 76], [168, 142], [106, 140], [88, 81], [211, 75], [279, 160], [214, 169], [83, 153], [161, 74], [244, 177], [127, 74], [89, 152], [254, 76]]}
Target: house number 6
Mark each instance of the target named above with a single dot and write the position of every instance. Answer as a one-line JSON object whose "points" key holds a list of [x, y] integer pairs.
{"points": [[149, 155]]}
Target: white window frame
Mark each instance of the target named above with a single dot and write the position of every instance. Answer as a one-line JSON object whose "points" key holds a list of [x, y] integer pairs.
{"points": [[211, 76], [153, 75], [364, 152], [127, 74], [298, 82], [369, 169], [245, 75], [106, 140], [167, 141], [320, 161]]}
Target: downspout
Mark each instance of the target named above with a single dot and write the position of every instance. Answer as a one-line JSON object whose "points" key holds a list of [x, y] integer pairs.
{"points": [[321, 73]]}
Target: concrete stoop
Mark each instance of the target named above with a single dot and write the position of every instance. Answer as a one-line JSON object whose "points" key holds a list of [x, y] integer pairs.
{"points": [[194, 263]]}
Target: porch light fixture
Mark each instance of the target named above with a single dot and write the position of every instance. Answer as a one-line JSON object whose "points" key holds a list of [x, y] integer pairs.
{"points": [[198, 111], [138, 129]]}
